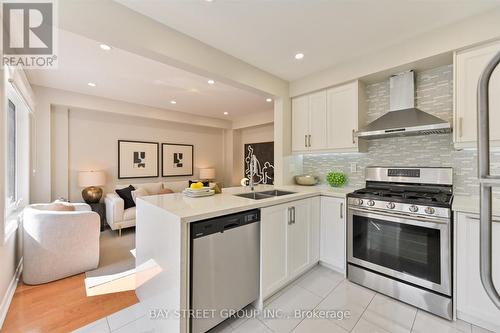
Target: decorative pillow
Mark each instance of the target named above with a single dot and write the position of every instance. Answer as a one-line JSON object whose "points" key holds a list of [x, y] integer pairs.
{"points": [[166, 191], [151, 188], [126, 195], [140, 192]]}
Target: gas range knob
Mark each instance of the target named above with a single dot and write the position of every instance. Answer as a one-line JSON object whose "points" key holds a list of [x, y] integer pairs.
{"points": [[371, 203], [413, 209], [430, 210], [391, 205], [358, 202]]}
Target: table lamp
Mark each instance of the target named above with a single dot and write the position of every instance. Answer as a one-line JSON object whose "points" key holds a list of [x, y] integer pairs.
{"points": [[91, 180], [207, 174]]}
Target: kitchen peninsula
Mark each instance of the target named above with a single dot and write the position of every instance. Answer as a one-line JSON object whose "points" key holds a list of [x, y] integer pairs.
{"points": [[163, 241]]}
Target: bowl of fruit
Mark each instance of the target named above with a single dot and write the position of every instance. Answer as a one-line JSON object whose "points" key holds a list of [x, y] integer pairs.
{"points": [[336, 178]]}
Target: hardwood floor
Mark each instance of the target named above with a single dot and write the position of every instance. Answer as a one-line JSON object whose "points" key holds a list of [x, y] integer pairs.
{"points": [[60, 306]]}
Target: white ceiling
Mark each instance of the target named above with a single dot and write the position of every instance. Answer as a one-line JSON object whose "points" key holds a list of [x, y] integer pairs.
{"points": [[268, 33], [132, 78]]}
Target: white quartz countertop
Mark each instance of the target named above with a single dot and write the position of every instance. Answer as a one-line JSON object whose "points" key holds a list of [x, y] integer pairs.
{"points": [[196, 209], [470, 204]]}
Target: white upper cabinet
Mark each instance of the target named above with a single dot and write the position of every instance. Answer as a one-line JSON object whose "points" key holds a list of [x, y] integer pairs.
{"points": [[343, 116], [469, 64], [326, 120], [317, 121], [309, 122], [300, 123]]}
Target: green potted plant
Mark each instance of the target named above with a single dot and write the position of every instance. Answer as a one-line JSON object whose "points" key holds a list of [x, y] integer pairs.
{"points": [[336, 178]]}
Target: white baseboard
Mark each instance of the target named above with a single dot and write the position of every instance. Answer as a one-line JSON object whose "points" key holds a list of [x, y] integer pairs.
{"points": [[4, 306]]}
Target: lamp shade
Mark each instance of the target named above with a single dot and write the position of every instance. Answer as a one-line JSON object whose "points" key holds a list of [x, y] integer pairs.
{"points": [[91, 178], [208, 173]]}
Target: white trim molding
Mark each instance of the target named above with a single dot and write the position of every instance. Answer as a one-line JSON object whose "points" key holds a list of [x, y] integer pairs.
{"points": [[7, 299]]}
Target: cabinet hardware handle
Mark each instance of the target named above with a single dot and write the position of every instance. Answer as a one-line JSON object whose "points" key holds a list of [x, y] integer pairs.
{"points": [[341, 210], [293, 214], [460, 126], [309, 140], [305, 140], [353, 136], [289, 215]]}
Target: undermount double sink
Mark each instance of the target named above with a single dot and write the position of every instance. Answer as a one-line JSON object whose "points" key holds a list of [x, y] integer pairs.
{"points": [[264, 194]]}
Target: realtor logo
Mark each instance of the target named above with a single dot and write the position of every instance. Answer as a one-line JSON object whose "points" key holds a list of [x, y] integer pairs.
{"points": [[28, 34]]}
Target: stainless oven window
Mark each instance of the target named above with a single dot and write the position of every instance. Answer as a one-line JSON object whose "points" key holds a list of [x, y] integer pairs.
{"points": [[409, 249]]}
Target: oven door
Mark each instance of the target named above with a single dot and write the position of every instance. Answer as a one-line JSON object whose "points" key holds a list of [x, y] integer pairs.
{"points": [[411, 249]]}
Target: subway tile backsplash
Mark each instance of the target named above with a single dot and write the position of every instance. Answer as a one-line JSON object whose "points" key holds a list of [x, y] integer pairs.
{"points": [[434, 94]]}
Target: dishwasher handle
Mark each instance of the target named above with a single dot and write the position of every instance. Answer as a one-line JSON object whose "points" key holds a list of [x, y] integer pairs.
{"points": [[230, 225]]}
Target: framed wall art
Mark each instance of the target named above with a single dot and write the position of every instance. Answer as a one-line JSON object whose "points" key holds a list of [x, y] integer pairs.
{"points": [[177, 159], [138, 159], [263, 172]]}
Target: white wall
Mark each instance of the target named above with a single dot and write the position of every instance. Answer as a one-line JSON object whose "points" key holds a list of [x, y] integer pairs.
{"points": [[254, 134], [10, 258], [473, 30], [92, 138]]}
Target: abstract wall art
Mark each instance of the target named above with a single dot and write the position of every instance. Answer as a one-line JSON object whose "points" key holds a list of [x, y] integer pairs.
{"points": [[137, 159], [177, 159], [263, 171]]}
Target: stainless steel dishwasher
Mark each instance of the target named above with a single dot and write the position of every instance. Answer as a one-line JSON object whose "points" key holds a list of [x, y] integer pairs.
{"points": [[225, 256]]}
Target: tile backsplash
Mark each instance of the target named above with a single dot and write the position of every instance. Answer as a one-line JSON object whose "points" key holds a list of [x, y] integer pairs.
{"points": [[434, 94]]}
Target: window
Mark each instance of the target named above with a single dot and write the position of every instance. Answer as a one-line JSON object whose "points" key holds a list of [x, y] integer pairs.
{"points": [[17, 155], [11, 155]]}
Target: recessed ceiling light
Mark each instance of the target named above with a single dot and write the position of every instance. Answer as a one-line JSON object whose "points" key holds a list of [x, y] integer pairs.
{"points": [[209, 0], [173, 102], [299, 56], [211, 81], [105, 47], [269, 100], [91, 84], [226, 113]]}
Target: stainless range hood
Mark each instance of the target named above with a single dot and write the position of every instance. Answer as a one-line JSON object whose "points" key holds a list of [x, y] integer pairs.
{"points": [[403, 119]]}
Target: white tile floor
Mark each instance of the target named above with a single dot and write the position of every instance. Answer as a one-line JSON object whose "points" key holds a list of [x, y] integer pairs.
{"points": [[320, 289]]}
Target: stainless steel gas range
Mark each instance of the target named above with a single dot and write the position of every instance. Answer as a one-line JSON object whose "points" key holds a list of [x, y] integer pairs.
{"points": [[399, 236]]}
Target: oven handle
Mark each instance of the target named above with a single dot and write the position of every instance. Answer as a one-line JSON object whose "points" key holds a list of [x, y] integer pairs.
{"points": [[410, 217]]}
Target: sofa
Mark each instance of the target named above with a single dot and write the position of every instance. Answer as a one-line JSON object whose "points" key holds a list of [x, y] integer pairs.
{"points": [[59, 240], [119, 218]]}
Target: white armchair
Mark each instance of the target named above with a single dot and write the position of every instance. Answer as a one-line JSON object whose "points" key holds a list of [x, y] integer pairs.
{"points": [[59, 243]]}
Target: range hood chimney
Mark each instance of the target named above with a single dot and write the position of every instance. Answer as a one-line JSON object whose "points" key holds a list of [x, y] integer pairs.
{"points": [[403, 119]]}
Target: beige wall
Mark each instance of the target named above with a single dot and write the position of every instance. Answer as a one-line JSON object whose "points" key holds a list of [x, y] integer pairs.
{"points": [[49, 100], [92, 145]]}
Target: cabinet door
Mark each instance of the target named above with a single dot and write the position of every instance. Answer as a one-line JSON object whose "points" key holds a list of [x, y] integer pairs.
{"points": [[342, 114], [298, 238], [469, 66], [300, 123], [333, 233], [314, 237], [273, 244], [473, 304], [317, 121]]}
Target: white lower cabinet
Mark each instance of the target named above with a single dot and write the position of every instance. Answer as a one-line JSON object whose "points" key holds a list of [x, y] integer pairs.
{"points": [[472, 302], [289, 242], [333, 233]]}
